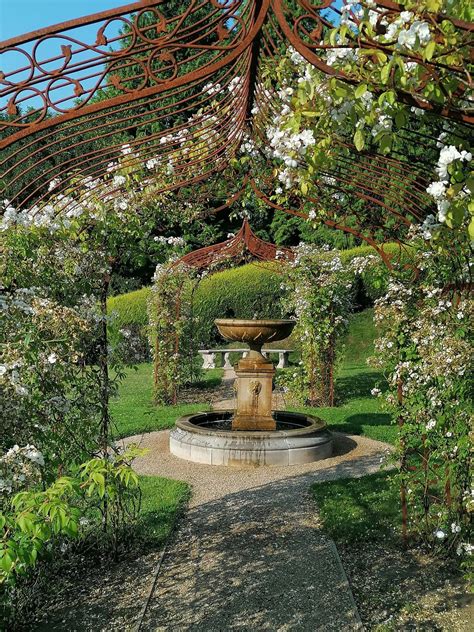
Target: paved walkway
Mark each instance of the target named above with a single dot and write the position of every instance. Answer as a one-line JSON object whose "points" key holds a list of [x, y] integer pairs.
{"points": [[250, 555]]}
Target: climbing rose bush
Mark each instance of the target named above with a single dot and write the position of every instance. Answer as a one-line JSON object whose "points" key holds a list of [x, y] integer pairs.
{"points": [[58, 464], [425, 349], [48, 393], [385, 54], [171, 322], [319, 292]]}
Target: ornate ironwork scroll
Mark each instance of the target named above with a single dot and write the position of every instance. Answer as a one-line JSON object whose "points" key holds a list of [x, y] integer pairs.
{"points": [[158, 76]]}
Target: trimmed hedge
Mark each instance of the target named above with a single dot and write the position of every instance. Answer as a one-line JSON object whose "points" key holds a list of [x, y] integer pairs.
{"points": [[243, 292], [130, 308], [128, 326]]}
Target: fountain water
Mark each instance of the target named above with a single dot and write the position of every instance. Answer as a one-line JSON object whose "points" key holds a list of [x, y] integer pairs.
{"points": [[253, 434]]}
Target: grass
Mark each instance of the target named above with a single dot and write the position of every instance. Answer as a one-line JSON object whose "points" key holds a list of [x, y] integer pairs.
{"points": [[395, 588], [353, 509], [359, 342], [133, 411], [163, 500], [357, 414]]}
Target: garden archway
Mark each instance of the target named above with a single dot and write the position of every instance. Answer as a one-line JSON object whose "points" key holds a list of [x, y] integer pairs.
{"points": [[171, 303], [183, 88], [172, 95]]}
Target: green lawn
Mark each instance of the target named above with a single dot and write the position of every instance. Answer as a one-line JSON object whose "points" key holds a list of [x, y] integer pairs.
{"points": [[358, 412], [133, 411], [163, 500], [353, 509]]}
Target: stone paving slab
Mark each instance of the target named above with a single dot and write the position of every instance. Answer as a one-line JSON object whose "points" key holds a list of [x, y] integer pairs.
{"points": [[249, 554]]}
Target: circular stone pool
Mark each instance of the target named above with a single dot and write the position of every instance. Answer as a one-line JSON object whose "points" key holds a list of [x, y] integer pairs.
{"points": [[208, 438]]}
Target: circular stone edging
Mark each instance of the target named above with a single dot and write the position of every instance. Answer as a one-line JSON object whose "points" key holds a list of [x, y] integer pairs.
{"points": [[311, 442]]}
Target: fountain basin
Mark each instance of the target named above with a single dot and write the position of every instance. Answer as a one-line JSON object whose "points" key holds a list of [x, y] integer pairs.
{"points": [[208, 438], [254, 331]]}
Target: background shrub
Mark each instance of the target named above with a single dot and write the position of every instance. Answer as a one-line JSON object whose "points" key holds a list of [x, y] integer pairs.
{"points": [[128, 326], [129, 309], [244, 292]]}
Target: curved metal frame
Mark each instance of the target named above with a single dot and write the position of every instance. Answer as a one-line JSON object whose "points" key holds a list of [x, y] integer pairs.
{"points": [[242, 243], [156, 76]]}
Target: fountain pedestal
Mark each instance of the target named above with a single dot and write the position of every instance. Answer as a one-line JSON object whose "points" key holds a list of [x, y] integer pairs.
{"points": [[254, 396], [254, 383]]}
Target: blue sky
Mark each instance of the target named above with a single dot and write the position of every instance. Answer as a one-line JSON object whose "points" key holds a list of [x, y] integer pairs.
{"points": [[22, 16]]}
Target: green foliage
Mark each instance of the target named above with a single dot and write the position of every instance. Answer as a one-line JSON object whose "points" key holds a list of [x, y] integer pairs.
{"points": [[56, 380], [374, 278], [425, 350], [366, 508], [171, 333], [129, 309], [357, 411], [359, 341], [128, 326], [33, 519], [395, 72], [319, 293], [104, 489]]}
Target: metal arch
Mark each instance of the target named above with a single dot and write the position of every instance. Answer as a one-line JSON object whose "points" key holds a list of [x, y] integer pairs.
{"points": [[204, 72], [331, 224], [243, 243], [77, 139]]}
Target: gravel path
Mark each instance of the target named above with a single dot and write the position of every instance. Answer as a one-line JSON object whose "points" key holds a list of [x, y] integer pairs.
{"points": [[249, 554]]}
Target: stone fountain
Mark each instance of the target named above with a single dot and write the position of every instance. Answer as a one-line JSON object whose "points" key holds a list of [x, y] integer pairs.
{"points": [[254, 384], [253, 434]]}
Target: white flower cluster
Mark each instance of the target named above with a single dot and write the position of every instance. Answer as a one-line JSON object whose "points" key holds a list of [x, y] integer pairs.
{"points": [[335, 56], [465, 548], [441, 356], [19, 467], [428, 228], [296, 58], [212, 88], [248, 146], [360, 264], [448, 155], [152, 163], [170, 241]]}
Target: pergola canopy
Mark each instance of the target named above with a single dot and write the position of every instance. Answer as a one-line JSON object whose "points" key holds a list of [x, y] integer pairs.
{"points": [[157, 75], [244, 244]]}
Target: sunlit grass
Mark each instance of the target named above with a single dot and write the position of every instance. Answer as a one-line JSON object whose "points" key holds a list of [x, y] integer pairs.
{"points": [[162, 501], [352, 509], [133, 411]]}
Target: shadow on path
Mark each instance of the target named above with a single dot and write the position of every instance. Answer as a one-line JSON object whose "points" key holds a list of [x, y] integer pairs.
{"points": [[256, 560]]}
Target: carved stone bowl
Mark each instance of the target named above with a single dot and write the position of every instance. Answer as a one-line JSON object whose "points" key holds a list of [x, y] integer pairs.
{"points": [[254, 332]]}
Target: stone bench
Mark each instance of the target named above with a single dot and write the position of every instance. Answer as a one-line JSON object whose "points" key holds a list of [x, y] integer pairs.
{"points": [[213, 358]]}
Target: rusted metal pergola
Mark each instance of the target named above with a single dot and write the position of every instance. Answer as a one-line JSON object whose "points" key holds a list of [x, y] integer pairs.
{"points": [[243, 245], [153, 70]]}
